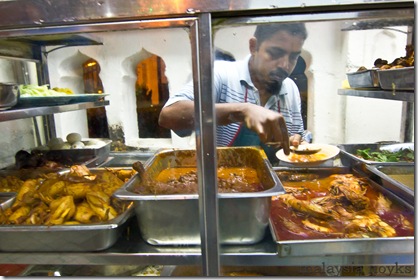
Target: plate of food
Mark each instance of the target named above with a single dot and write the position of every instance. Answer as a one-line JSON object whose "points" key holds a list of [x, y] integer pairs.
{"points": [[309, 154]]}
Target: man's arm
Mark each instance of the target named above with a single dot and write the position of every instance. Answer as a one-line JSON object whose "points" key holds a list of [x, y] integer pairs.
{"points": [[178, 116], [269, 125]]}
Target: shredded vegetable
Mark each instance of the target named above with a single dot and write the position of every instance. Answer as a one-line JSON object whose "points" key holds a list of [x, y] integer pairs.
{"points": [[43, 90]]}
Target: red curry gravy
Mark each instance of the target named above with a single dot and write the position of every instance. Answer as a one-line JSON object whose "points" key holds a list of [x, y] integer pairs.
{"points": [[288, 224]]}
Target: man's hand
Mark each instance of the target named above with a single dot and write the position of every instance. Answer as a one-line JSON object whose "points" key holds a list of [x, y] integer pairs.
{"points": [[296, 140], [269, 125]]}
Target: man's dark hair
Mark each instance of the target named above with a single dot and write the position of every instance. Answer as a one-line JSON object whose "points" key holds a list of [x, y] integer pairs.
{"points": [[265, 31], [223, 55]]}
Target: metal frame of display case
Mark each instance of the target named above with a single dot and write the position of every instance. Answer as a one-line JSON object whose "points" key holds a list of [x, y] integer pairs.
{"points": [[21, 21]]}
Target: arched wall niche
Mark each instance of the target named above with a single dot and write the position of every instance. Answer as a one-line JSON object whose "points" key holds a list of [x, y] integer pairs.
{"points": [[70, 75], [73, 73]]}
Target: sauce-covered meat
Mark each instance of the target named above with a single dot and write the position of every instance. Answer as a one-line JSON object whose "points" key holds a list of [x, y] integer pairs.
{"points": [[337, 206]]}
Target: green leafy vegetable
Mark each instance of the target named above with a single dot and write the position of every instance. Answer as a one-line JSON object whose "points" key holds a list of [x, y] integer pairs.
{"points": [[35, 90], [386, 156]]}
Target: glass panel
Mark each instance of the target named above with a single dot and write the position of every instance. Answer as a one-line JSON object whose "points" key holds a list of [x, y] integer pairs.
{"points": [[337, 44], [136, 70]]}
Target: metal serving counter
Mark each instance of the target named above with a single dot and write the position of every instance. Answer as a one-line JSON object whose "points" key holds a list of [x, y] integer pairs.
{"points": [[130, 249]]}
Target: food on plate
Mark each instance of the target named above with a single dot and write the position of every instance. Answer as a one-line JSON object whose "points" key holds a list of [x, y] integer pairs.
{"points": [[293, 157], [42, 90], [337, 206], [405, 155], [77, 197], [183, 180], [321, 153], [64, 90]]}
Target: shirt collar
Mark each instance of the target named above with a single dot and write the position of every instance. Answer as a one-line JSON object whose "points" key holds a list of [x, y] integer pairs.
{"points": [[244, 72]]}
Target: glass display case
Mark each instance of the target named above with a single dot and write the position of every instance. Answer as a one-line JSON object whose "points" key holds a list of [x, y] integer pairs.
{"points": [[120, 35]]}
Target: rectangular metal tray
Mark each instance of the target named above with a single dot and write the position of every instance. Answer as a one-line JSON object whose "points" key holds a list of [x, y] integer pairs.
{"points": [[346, 246], [93, 156], [60, 238], [397, 79], [348, 153], [122, 159], [174, 219], [404, 190], [363, 79]]}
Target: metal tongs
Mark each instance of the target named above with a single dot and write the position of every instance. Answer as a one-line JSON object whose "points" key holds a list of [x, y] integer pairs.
{"points": [[304, 149]]}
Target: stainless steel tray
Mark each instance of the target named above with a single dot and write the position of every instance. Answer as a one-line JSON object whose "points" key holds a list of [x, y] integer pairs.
{"points": [[404, 189], [60, 238], [397, 79], [348, 153], [93, 156], [346, 246], [363, 79], [174, 219], [125, 159]]}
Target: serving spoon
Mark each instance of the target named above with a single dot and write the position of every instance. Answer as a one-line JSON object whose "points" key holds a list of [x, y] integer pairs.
{"points": [[304, 150]]}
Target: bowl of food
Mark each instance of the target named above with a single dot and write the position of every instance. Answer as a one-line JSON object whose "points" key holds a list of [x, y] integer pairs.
{"points": [[9, 95]]}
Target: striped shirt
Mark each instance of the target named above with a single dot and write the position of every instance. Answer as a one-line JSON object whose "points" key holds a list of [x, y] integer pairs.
{"points": [[233, 83]]}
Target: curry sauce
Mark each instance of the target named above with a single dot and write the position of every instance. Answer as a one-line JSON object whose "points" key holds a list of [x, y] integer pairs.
{"points": [[184, 180]]}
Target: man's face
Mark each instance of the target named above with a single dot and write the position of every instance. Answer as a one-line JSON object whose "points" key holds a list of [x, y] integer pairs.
{"points": [[274, 59]]}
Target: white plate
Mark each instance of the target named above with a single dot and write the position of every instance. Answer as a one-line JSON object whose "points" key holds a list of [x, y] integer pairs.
{"points": [[329, 152]]}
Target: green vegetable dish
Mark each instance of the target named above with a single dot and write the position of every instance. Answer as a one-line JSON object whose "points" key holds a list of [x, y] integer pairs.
{"points": [[403, 155], [43, 90]]}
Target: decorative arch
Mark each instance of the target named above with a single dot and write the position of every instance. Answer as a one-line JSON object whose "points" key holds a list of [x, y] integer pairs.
{"points": [[151, 92]]}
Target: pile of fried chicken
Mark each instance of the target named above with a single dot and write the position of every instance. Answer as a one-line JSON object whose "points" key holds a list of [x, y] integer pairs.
{"points": [[76, 197]]}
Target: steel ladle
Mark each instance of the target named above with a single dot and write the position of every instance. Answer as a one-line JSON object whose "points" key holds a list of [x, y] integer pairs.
{"points": [[304, 150]]}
